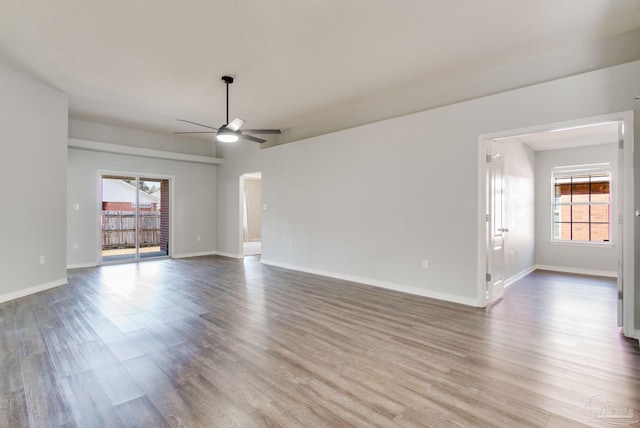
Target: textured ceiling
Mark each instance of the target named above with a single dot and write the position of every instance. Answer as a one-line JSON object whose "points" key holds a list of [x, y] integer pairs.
{"points": [[145, 63]]}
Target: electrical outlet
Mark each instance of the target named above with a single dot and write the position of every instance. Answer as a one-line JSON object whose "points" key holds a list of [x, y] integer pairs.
{"points": [[42, 260], [425, 264], [76, 246], [198, 238]]}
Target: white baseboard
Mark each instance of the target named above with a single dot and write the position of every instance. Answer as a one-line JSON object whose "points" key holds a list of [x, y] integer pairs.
{"points": [[376, 283], [234, 256], [32, 290], [81, 265], [185, 255], [580, 271], [519, 275]]}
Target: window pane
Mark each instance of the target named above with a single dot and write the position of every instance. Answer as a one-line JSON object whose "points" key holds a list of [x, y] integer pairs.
{"points": [[599, 232], [562, 190], [600, 188], [562, 213], [600, 213], [580, 231], [580, 213], [562, 231], [580, 189]]}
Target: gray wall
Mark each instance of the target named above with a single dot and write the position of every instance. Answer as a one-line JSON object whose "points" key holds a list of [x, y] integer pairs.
{"points": [[193, 196], [239, 158], [578, 257], [33, 168], [372, 202]]}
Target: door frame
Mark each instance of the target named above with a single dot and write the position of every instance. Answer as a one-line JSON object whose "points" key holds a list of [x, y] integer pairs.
{"points": [[625, 205], [246, 176], [102, 172]]}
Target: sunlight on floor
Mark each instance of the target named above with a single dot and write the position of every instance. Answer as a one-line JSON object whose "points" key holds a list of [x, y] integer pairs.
{"points": [[252, 248]]}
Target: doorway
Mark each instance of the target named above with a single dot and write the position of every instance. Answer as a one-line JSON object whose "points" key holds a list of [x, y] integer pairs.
{"points": [[134, 218], [251, 214], [621, 190]]}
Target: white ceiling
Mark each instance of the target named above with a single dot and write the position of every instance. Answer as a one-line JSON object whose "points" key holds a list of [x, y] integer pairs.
{"points": [[145, 63]]}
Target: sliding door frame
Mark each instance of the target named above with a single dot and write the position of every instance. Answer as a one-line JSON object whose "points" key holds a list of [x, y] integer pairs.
{"points": [[137, 175]]}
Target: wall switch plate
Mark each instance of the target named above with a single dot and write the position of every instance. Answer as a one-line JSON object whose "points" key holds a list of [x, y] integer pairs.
{"points": [[76, 246], [42, 260], [425, 264], [198, 238]]}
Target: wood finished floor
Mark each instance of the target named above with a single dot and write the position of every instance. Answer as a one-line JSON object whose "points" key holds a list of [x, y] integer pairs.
{"points": [[216, 342]]}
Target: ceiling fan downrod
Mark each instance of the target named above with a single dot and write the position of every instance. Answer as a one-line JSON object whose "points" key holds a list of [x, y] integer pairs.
{"points": [[227, 80]]}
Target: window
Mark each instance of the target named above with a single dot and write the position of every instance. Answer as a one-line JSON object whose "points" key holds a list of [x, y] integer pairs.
{"points": [[581, 205]]}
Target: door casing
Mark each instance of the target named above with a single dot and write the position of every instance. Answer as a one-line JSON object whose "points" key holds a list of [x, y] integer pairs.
{"points": [[625, 208]]}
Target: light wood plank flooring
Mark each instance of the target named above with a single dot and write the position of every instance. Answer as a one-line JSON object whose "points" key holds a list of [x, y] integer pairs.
{"points": [[217, 342]]}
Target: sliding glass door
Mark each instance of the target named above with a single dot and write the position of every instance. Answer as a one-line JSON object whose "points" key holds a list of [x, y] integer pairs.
{"points": [[135, 218]]}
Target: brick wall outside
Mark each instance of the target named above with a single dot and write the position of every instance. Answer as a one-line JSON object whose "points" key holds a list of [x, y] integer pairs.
{"points": [[164, 216], [125, 206]]}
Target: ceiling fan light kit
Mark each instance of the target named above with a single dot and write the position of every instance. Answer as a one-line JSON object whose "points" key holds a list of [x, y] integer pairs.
{"points": [[225, 135], [230, 132]]}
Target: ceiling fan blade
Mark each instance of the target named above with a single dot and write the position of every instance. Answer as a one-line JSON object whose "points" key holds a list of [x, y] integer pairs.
{"points": [[235, 124], [197, 132], [252, 138], [199, 124], [261, 131]]}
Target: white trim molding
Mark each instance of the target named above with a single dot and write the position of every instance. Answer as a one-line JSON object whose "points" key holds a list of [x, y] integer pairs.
{"points": [[468, 301], [200, 254], [233, 256], [81, 265], [96, 146], [579, 271], [519, 276], [32, 290]]}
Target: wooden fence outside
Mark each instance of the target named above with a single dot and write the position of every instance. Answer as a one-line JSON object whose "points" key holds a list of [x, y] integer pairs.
{"points": [[119, 229]]}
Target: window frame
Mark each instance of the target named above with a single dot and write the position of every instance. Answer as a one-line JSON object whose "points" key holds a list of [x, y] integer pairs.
{"points": [[570, 172]]}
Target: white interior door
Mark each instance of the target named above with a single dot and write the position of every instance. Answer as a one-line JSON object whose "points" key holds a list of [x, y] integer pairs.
{"points": [[495, 224]]}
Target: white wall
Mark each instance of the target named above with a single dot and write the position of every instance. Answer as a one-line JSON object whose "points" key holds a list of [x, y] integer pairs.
{"points": [[579, 258], [519, 196], [253, 197], [370, 203], [194, 202], [240, 158], [33, 161], [103, 133]]}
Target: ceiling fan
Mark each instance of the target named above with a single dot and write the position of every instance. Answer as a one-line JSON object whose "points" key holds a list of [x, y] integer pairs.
{"points": [[230, 132]]}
